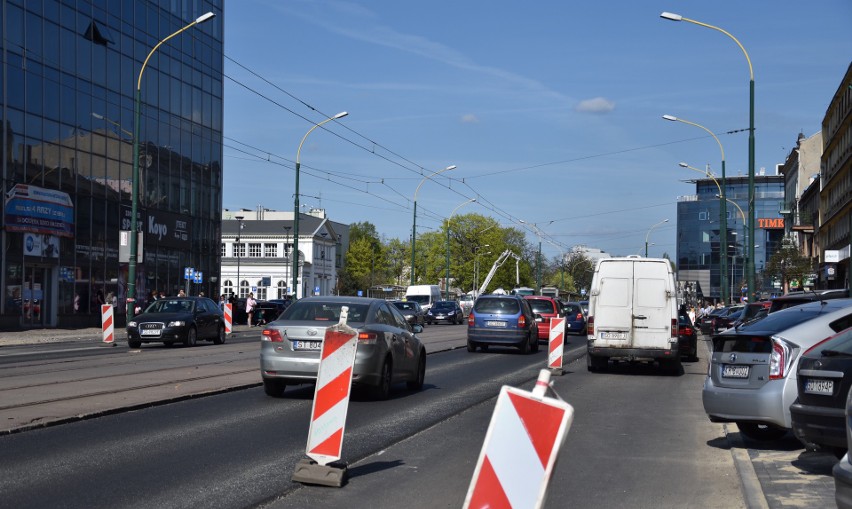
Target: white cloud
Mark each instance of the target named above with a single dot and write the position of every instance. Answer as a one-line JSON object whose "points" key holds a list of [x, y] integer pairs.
{"points": [[469, 118], [596, 105]]}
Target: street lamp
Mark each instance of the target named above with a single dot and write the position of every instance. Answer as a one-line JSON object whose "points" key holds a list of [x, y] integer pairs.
{"points": [[414, 222], [723, 209], [476, 268], [134, 188], [649, 234], [113, 123], [447, 293], [750, 258], [238, 248], [296, 205]]}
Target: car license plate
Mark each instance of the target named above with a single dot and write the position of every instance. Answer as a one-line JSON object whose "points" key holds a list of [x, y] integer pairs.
{"points": [[816, 386], [612, 335], [307, 345], [734, 371], [151, 332], [494, 323]]}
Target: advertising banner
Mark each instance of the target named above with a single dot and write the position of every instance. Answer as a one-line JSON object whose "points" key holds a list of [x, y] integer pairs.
{"points": [[38, 210]]}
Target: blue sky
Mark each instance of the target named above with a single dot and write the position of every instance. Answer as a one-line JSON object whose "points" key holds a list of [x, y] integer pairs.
{"points": [[551, 110]]}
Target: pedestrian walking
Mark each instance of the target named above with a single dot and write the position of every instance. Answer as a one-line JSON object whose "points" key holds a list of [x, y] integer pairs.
{"points": [[250, 305], [222, 302]]}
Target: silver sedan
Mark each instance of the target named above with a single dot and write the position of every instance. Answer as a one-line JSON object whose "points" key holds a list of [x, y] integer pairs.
{"points": [[388, 351]]}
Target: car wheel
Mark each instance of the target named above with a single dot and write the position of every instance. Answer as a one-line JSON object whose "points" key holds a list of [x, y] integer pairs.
{"points": [[134, 344], [761, 432], [694, 356], [672, 366], [471, 346], [274, 388], [596, 364], [524, 347], [417, 383], [382, 390], [220, 336], [191, 337], [534, 346]]}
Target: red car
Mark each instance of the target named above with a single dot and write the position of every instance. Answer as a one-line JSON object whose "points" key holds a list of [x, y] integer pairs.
{"points": [[548, 308]]}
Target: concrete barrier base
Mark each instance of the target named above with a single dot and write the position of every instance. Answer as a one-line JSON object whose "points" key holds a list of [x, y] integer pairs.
{"points": [[310, 472]]}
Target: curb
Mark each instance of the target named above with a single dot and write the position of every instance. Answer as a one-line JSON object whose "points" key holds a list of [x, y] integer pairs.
{"points": [[749, 482]]}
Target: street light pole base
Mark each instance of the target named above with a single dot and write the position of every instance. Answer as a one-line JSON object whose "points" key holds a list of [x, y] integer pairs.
{"points": [[309, 471]]}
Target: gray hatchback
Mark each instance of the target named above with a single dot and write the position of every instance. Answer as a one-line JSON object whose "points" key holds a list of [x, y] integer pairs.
{"points": [[752, 378], [388, 350]]}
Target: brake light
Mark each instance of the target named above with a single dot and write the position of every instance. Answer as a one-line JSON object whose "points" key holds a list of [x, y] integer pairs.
{"points": [[579, 317], [470, 319], [522, 321], [590, 326], [779, 359], [272, 335], [674, 327], [368, 338]]}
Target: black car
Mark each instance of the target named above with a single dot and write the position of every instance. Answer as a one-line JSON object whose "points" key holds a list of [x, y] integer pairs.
{"points": [[705, 323], [177, 320], [687, 339], [824, 378], [796, 298], [445, 311], [726, 320], [412, 311], [575, 318]]}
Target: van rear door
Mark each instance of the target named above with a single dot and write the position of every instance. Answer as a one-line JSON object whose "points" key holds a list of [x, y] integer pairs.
{"points": [[652, 306], [613, 303]]}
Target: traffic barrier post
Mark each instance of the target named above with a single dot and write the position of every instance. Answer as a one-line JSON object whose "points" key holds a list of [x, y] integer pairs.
{"points": [[331, 402], [555, 345], [521, 445], [107, 325], [229, 318]]}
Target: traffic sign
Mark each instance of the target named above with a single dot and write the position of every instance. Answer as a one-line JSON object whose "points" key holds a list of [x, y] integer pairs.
{"points": [[188, 272]]}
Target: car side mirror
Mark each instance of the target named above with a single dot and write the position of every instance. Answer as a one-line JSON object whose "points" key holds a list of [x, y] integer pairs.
{"points": [[538, 318], [417, 328]]}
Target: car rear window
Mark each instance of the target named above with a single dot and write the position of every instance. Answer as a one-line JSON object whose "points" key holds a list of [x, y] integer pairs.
{"points": [[443, 305], [742, 344], [841, 343], [541, 306], [497, 306], [404, 305], [571, 309], [305, 310]]}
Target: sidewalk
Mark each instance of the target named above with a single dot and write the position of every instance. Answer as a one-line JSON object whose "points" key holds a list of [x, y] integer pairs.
{"points": [[88, 335]]}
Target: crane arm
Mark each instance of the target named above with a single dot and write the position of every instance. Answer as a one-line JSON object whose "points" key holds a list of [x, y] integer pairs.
{"points": [[497, 263]]}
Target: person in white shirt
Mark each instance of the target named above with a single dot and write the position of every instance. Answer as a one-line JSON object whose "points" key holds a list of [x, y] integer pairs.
{"points": [[250, 305]]}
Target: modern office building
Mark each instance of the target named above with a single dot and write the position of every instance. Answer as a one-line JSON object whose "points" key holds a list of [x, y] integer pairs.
{"points": [[698, 234], [69, 77]]}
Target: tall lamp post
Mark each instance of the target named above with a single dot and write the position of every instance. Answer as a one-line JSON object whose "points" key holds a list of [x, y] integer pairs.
{"points": [[296, 204], [134, 189], [414, 221], [723, 227], [723, 209], [447, 293], [649, 234], [238, 248], [750, 257], [745, 231]]}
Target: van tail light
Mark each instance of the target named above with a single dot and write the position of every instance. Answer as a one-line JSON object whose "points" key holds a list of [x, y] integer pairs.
{"points": [[367, 338], [674, 327], [272, 335], [470, 319], [590, 326], [522, 321], [780, 359]]}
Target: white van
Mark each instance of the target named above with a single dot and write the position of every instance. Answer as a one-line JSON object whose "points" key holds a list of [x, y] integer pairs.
{"points": [[425, 295], [633, 313]]}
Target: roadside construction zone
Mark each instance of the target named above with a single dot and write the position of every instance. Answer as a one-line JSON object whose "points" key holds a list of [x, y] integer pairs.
{"points": [[555, 343], [229, 318], [523, 440], [107, 325], [331, 402]]}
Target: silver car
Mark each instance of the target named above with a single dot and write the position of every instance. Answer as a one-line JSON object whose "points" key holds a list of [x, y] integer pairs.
{"points": [[388, 351], [752, 376]]}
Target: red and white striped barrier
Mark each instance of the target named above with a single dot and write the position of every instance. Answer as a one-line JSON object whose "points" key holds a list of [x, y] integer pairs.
{"points": [[229, 318], [107, 324], [331, 396], [557, 339], [523, 439]]}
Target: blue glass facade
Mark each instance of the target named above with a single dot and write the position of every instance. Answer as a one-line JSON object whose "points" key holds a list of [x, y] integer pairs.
{"points": [[698, 233], [69, 73]]}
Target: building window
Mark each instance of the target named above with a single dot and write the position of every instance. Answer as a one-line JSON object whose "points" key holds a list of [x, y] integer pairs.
{"points": [[270, 250], [282, 289], [254, 250], [261, 291], [239, 249], [224, 250]]}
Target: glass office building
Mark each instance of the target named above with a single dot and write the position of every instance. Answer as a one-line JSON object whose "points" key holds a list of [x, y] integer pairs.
{"points": [[698, 235], [69, 74]]}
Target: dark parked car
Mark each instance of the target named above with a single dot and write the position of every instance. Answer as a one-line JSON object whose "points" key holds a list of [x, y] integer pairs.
{"points": [[388, 352], [796, 298], [687, 339], [445, 311], [505, 320], [726, 320], [752, 311], [824, 378], [575, 318], [705, 323], [412, 311], [177, 320]]}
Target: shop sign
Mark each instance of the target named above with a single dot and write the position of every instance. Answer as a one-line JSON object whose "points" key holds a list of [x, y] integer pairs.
{"points": [[38, 210]]}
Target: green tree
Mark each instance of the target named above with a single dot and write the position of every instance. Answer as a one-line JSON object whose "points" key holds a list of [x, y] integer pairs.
{"points": [[788, 264]]}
